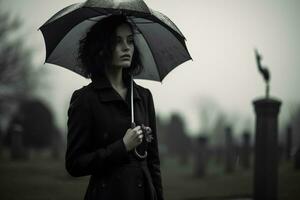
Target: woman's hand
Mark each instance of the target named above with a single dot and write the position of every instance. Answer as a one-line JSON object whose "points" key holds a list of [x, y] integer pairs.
{"points": [[133, 138]]}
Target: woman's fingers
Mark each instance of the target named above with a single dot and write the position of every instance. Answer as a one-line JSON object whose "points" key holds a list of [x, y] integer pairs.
{"points": [[140, 139], [137, 134], [133, 137], [136, 128]]}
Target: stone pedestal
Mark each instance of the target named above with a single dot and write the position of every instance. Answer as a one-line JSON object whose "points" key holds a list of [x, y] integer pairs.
{"points": [[266, 149]]}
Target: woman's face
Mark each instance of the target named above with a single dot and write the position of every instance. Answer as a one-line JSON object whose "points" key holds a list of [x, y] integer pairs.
{"points": [[124, 47]]}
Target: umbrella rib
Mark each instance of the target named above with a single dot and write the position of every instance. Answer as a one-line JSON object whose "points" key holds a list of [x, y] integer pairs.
{"points": [[159, 74], [145, 22]]}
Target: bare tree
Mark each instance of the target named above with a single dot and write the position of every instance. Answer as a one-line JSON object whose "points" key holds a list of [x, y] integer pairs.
{"points": [[15, 59], [17, 75]]}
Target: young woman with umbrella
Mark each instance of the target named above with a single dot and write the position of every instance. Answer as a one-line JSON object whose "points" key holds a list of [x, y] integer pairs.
{"points": [[100, 143], [125, 39]]}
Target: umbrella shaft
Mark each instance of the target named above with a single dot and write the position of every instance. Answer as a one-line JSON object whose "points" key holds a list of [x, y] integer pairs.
{"points": [[131, 100]]}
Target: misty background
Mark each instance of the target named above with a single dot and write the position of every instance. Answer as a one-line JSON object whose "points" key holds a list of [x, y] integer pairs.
{"points": [[221, 37], [204, 107]]}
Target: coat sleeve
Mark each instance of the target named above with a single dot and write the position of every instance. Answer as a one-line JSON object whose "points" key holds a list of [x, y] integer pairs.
{"points": [[153, 153], [80, 159]]}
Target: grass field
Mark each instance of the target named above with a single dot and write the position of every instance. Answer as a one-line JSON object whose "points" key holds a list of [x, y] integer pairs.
{"points": [[45, 179]]}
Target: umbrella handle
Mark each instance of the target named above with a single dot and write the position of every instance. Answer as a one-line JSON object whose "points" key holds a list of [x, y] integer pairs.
{"points": [[133, 125], [139, 155]]}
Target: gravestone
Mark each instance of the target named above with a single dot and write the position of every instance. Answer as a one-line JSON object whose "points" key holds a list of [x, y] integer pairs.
{"points": [[201, 156], [16, 133], [246, 151], [297, 159], [1, 140], [288, 143], [229, 151]]}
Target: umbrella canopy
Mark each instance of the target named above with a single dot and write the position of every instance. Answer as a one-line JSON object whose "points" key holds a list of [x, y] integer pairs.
{"points": [[160, 43]]}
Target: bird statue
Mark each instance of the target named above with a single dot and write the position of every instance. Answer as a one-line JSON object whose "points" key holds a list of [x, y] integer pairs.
{"points": [[264, 71]]}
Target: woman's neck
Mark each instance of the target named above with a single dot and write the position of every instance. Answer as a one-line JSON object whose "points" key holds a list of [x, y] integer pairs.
{"points": [[115, 76]]}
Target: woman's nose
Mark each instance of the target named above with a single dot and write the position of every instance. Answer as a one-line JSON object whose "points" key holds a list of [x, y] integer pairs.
{"points": [[125, 46]]}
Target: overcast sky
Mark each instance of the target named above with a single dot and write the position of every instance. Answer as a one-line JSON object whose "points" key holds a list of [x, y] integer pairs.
{"points": [[221, 37]]}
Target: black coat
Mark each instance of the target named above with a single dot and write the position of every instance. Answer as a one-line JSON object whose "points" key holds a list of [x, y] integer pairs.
{"points": [[98, 119]]}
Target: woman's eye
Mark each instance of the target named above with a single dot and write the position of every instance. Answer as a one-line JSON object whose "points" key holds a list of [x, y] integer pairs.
{"points": [[130, 41], [118, 41]]}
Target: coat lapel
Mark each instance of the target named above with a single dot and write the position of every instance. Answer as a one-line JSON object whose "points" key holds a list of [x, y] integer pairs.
{"points": [[107, 93]]}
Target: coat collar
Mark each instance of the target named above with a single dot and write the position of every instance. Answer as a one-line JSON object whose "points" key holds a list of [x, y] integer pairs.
{"points": [[108, 93]]}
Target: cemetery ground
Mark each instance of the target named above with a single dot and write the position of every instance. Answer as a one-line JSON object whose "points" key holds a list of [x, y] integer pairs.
{"points": [[46, 179]]}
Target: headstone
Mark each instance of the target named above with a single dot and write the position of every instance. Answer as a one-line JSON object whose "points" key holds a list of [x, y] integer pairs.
{"points": [[297, 159], [1, 141], [219, 154], [17, 149], [229, 151], [266, 151], [246, 151], [288, 143], [201, 157], [184, 153]]}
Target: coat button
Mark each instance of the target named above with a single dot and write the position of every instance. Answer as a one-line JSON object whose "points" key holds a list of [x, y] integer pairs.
{"points": [[140, 185], [103, 185]]}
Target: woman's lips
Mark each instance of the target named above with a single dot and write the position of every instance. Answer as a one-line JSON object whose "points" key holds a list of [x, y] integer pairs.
{"points": [[125, 57]]}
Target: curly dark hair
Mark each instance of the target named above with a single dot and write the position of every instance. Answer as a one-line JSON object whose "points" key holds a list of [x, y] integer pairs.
{"points": [[95, 49]]}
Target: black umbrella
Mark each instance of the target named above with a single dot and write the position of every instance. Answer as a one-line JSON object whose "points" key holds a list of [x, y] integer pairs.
{"points": [[159, 41]]}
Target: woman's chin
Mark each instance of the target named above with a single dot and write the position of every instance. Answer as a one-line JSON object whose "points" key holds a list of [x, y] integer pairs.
{"points": [[126, 65], [122, 66]]}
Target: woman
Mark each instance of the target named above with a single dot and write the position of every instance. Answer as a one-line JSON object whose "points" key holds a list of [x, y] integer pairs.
{"points": [[100, 141]]}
